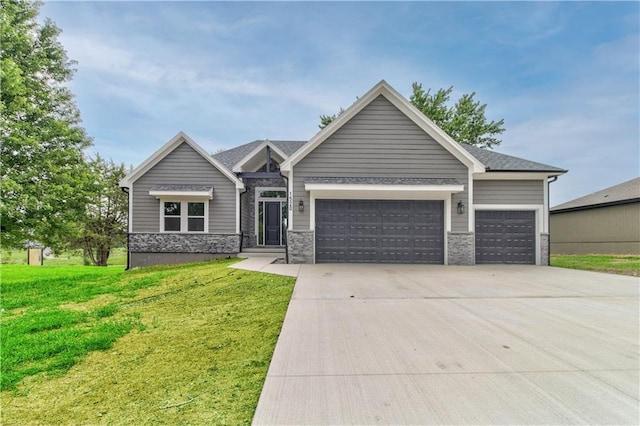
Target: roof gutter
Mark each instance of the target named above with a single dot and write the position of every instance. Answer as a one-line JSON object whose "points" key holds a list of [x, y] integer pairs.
{"points": [[556, 172]]}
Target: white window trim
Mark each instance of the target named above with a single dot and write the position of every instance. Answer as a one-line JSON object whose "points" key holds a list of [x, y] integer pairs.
{"points": [[537, 208], [184, 210], [257, 199]]}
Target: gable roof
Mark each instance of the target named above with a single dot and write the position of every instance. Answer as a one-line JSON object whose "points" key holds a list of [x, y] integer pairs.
{"points": [[384, 89], [497, 162], [232, 157], [165, 150], [623, 193]]}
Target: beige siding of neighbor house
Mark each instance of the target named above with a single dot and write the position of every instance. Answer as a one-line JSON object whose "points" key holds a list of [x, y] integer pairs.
{"points": [[380, 141], [184, 166], [508, 192], [604, 230]]}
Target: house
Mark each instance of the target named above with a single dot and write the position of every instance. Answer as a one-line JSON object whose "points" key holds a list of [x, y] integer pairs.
{"points": [[605, 222], [381, 183]]}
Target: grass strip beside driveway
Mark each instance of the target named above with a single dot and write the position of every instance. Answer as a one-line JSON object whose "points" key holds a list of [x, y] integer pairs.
{"points": [[198, 352], [612, 264]]}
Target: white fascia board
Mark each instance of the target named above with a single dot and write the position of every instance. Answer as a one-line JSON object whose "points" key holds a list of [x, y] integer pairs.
{"points": [[513, 175], [384, 89], [167, 148], [383, 192], [239, 167], [183, 194], [382, 188], [515, 207]]}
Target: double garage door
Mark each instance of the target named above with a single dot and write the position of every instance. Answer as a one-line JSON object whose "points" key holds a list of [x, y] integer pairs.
{"points": [[410, 231], [379, 231]]}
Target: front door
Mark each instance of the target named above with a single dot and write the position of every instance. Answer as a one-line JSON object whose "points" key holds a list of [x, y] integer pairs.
{"points": [[272, 223]]}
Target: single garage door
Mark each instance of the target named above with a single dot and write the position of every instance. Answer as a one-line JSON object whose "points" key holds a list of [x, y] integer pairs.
{"points": [[379, 231], [505, 237]]}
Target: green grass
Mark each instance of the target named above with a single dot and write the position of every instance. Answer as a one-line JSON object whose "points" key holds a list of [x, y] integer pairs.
{"points": [[128, 343], [118, 257], [614, 264]]}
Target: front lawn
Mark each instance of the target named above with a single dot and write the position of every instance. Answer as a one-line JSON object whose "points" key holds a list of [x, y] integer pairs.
{"points": [[186, 344], [613, 264]]}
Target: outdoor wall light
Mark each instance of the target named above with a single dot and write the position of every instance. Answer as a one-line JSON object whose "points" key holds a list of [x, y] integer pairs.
{"points": [[301, 206], [460, 207]]}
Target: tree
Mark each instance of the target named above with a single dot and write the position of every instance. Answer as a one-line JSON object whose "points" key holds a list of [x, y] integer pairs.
{"points": [[465, 121], [325, 120], [45, 178], [104, 225]]}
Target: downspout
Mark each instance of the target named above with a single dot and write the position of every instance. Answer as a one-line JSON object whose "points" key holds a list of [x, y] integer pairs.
{"points": [[286, 246], [126, 190], [549, 182]]}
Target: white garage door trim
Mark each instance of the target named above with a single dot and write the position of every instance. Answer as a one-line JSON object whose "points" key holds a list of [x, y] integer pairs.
{"points": [[383, 192], [538, 208]]}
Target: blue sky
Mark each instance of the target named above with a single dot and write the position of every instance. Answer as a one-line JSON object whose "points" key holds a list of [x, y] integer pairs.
{"points": [[564, 76]]}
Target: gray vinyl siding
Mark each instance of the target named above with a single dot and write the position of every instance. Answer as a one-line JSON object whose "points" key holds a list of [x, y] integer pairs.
{"points": [[184, 166], [508, 192], [380, 141]]}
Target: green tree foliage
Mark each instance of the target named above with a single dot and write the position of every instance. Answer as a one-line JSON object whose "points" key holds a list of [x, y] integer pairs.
{"points": [[44, 174], [104, 225], [325, 120], [465, 121]]}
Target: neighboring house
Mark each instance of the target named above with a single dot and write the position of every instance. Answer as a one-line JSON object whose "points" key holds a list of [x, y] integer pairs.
{"points": [[381, 183], [605, 222]]}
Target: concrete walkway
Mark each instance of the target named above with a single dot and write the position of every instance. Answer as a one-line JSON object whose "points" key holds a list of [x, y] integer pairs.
{"points": [[378, 344], [264, 263]]}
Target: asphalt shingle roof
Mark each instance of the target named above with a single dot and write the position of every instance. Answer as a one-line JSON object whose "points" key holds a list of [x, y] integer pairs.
{"points": [[231, 157], [495, 161], [625, 191]]}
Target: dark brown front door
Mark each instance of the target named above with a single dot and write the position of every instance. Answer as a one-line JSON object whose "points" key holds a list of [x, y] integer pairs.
{"points": [[272, 224]]}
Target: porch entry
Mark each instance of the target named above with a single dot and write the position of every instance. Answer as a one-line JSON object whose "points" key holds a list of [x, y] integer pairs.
{"points": [[271, 217]]}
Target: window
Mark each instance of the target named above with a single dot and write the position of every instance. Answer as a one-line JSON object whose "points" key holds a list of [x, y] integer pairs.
{"points": [[195, 217], [172, 216], [184, 216]]}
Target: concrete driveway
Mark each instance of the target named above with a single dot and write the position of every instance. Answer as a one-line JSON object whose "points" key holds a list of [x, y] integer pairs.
{"points": [[379, 344]]}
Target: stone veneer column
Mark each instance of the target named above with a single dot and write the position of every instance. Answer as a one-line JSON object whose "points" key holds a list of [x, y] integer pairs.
{"points": [[544, 249], [300, 246], [461, 247]]}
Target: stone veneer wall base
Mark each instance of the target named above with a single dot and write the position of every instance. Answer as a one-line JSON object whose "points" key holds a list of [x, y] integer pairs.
{"points": [[184, 243], [461, 248], [544, 249], [300, 246]]}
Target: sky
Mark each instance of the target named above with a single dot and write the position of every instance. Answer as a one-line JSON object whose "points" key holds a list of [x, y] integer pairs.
{"points": [[563, 75]]}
